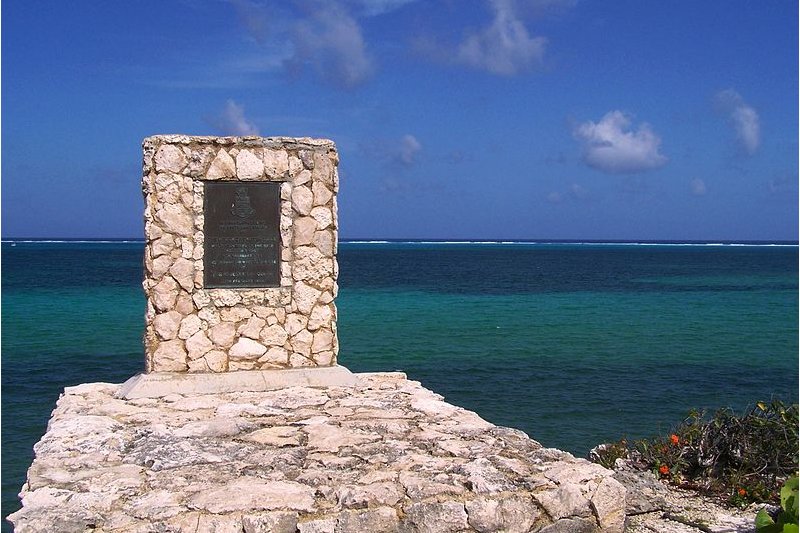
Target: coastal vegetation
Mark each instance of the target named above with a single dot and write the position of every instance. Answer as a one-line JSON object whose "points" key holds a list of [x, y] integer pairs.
{"points": [[787, 517], [739, 458]]}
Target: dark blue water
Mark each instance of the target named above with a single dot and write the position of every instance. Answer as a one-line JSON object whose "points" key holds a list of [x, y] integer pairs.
{"points": [[573, 344]]}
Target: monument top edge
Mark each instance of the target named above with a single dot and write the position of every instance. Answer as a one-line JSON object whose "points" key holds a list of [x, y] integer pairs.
{"points": [[252, 140]]}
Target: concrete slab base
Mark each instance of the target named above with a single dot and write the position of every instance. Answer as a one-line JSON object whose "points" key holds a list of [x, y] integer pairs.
{"points": [[160, 384], [385, 456]]}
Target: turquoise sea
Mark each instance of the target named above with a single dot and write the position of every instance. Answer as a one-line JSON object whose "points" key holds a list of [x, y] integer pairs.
{"points": [[574, 343]]}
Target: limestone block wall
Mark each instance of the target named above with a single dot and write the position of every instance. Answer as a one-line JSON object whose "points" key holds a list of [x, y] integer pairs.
{"points": [[191, 328]]}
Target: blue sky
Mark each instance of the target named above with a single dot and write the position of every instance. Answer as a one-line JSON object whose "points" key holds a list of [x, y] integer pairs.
{"points": [[516, 119]]}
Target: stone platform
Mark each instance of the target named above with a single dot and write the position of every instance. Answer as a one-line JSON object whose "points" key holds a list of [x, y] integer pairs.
{"points": [[385, 455]]}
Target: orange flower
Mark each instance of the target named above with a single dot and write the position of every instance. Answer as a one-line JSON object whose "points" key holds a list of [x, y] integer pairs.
{"points": [[674, 439], [664, 469], [742, 493]]}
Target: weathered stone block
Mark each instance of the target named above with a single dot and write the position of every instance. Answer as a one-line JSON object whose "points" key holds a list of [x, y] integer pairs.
{"points": [[247, 349], [275, 356], [437, 517], [164, 294], [304, 230], [302, 200], [216, 360], [252, 328], [249, 166], [301, 343], [175, 219], [515, 514], [189, 326], [274, 335], [183, 272], [271, 522], [169, 158], [167, 324], [198, 345], [222, 167], [276, 163], [321, 316], [170, 356]]}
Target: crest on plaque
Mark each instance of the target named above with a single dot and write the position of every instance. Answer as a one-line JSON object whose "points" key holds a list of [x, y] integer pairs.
{"points": [[241, 204]]}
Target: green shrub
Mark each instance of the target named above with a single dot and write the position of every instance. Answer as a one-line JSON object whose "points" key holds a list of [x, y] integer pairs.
{"points": [[788, 515], [742, 458], [606, 455]]}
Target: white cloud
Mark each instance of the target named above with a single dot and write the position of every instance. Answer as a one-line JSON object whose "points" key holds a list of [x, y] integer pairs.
{"points": [[578, 191], [233, 122], [407, 149], [379, 7], [253, 17], [505, 47], [783, 185], [402, 152], [610, 146], [742, 117], [457, 157], [541, 8], [326, 36], [392, 185], [698, 187], [575, 191], [330, 40]]}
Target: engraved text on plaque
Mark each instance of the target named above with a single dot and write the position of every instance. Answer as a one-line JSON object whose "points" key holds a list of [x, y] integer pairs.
{"points": [[242, 246]]}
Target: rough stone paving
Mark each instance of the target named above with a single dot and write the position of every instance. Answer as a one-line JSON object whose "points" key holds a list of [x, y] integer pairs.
{"points": [[387, 455], [197, 329]]}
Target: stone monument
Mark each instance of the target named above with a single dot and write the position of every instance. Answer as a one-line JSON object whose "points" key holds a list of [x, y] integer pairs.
{"points": [[240, 254], [240, 277]]}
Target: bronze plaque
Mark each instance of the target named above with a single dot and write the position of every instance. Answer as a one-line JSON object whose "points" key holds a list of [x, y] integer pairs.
{"points": [[242, 246]]}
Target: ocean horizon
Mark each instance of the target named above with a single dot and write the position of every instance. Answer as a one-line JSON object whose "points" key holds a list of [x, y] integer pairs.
{"points": [[363, 240], [574, 342]]}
